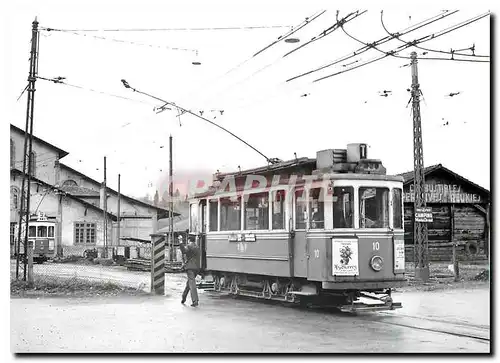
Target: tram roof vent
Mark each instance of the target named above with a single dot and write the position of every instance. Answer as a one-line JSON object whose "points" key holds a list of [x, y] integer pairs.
{"points": [[356, 152], [328, 158]]}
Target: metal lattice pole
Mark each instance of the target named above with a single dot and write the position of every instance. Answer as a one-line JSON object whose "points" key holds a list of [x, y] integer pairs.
{"points": [[420, 228], [24, 209]]}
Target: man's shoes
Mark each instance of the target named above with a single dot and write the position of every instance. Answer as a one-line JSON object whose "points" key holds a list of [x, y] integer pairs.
{"points": [[183, 301], [195, 304]]}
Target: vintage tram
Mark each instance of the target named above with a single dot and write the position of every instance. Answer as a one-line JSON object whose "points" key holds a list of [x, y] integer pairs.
{"points": [[41, 234], [326, 231]]}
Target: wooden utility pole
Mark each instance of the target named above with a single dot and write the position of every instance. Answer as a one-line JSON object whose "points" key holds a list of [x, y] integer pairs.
{"points": [[171, 202], [105, 219], [118, 214], [420, 228], [24, 209]]}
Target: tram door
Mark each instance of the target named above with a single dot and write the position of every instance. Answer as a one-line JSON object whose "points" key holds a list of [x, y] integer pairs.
{"points": [[202, 208], [298, 225]]}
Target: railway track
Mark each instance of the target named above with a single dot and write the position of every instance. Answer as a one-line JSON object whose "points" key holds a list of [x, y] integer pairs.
{"points": [[456, 328], [436, 325]]}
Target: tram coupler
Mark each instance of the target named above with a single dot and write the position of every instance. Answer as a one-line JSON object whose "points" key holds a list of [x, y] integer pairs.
{"points": [[386, 303]]}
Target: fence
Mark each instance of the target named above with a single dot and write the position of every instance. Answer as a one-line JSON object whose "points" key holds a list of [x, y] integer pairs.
{"points": [[90, 268]]}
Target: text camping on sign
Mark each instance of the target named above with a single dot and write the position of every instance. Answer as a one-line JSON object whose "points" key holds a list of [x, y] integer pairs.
{"points": [[423, 214]]}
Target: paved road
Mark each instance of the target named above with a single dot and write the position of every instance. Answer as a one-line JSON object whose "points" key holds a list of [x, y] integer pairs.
{"points": [[219, 324], [437, 321]]}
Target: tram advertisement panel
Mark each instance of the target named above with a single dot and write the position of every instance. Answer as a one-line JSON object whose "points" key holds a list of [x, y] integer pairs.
{"points": [[345, 257], [399, 255]]}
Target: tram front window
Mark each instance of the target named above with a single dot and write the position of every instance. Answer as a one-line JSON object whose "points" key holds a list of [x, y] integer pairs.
{"points": [[32, 231], [343, 207], [42, 231], [373, 208]]}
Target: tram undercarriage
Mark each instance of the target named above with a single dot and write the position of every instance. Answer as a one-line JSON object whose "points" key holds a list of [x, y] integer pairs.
{"points": [[303, 292]]}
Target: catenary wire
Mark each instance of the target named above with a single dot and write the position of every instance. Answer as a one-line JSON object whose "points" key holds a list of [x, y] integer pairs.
{"points": [[417, 41], [93, 90], [169, 29], [131, 42], [377, 42], [392, 54], [327, 31], [396, 35]]}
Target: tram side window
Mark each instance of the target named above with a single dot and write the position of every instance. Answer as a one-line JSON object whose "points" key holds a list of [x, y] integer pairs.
{"points": [[373, 207], [230, 214], [32, 231], [51, 231], [300, 209], [213, 223], [343, 207], [193, 218], [42, 231], [257, 211], [317, 209], [278, 209], [397, 213]]}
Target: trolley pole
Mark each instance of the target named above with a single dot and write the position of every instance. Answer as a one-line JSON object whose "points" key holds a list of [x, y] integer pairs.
{"points": [[420, 228], [24, 210], [171, 202]]}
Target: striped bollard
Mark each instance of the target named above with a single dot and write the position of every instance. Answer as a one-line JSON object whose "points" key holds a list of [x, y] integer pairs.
{"points": [[158, 266]]}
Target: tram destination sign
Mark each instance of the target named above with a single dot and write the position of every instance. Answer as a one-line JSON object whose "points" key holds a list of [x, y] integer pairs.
{"points": [[423, 214]]}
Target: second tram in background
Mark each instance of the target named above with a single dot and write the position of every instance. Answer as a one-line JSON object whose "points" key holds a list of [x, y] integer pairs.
{"points": [[327, 230]]}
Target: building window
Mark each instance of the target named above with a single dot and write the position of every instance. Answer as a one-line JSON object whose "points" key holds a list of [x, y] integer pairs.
{"points": [[69, 183], [257, 211], [214, 222], [12, 154], [85, 233], [373, 208], [33, 163], [278, 209], [397, 208], [343, 199], [300, 209], [12, 233], [230, 214]]}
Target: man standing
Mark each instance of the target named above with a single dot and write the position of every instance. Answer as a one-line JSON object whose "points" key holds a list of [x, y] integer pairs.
{"points": [[191, 254]]}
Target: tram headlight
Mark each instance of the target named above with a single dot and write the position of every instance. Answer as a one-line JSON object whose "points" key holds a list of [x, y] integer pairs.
{"points": [[377, 263]]}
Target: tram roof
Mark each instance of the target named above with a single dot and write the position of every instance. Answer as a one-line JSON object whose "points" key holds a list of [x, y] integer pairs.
{"points": [[294, 163]]}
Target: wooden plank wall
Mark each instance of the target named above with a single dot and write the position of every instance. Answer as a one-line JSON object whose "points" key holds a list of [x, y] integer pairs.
{"points": [[469, 226]]}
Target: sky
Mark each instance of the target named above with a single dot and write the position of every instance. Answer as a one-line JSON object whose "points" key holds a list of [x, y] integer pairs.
{"points": [[276, 117]]}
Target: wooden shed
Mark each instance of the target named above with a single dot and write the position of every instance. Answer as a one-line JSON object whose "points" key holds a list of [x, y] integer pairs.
{"points": [[460, 211]]}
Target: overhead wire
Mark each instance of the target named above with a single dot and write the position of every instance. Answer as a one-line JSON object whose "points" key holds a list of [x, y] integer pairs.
{"points": [[375, 43], [417, 41], [60, 81], [281, 37], [169, 29], [327, 31], [130, 42], [392, 54], [396, 36]]}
